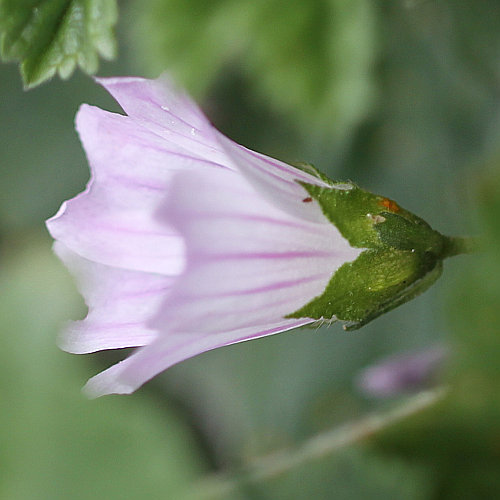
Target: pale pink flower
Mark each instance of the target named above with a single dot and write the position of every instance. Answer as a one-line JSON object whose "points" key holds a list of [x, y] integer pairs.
{"points": [[184, 241], [404, 373]]}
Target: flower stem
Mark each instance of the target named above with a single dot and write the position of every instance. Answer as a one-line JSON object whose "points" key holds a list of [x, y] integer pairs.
{"points": [[459, 245], [320, 446]]}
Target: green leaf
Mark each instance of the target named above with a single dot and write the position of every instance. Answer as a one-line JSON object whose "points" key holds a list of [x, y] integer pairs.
{"points": [[56, 36]]}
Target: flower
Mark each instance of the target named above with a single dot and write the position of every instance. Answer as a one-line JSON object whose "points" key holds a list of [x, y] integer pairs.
{"points": [[404, 373], [184, 241]]}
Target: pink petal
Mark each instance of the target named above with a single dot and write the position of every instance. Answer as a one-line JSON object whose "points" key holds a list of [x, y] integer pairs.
{"points": [[120, 304], [113, 221], [158, 105], [248, 263], [275, 180], [128, 375]]}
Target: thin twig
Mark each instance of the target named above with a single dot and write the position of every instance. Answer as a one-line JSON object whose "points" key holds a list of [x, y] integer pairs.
{"points": [[322, 445]]}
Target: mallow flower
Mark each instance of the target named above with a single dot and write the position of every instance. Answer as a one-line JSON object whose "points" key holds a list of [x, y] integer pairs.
{"points": [[403, 373], [184, 241]]}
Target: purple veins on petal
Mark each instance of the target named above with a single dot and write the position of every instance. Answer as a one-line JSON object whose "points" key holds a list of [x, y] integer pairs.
{"points": [[128, 375], [274, 180], [120, 304], [184, 241], [158, 106]]}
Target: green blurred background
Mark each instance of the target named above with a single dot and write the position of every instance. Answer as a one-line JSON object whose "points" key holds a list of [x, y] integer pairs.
{"points": [[402, 97]]}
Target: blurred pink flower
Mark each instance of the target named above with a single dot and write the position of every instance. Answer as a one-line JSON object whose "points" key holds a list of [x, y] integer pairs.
{"points": [[184, 241], [404, 373]]}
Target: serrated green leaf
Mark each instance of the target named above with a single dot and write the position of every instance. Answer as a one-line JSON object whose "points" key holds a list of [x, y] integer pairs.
{"points": [[55, 36]]}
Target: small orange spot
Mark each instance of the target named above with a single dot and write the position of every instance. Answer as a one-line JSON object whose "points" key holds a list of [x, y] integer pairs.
{"points": [[307, 200], [389, 204]]}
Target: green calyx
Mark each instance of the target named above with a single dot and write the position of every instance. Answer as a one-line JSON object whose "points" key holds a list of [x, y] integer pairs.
{"points": [[402, 258]]}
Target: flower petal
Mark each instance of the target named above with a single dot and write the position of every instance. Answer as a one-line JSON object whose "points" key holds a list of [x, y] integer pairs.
{"points": [[120, 304], [248, 263], [113, 222], [128, 375], [158, 105], [275, 180]]}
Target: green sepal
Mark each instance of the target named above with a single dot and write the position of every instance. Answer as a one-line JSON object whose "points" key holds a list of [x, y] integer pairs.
{"points": [[409, 233], [312, 170], [352, 210], [371, 285], [402, 257], [368, 220]]}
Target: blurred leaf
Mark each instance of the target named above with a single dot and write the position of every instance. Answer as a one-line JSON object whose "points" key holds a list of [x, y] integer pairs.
{"points": [[54, 442], [476, 298], [311, 60], [56, 36]]}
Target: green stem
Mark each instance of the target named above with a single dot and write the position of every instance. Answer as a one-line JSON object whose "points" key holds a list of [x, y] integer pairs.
{"points": [[459, 245], [320, 446]]}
